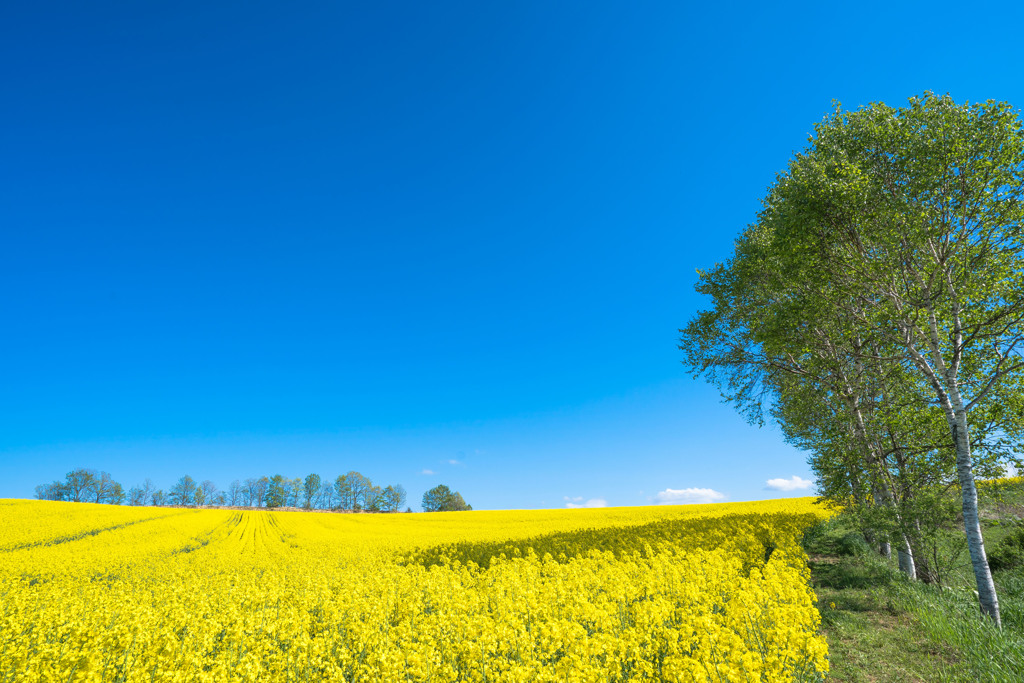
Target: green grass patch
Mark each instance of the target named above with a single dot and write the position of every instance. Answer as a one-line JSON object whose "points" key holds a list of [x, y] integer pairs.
{"points": [[870, 638], [882, 627]]}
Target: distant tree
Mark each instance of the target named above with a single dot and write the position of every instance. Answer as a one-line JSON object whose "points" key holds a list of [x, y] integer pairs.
{"points": [[392, 498], [200, 497], [295, 489], [252, 486], [235, 493], [380, 502], [310, 489], [52, 491], [435, 498], [184, 492], [276, 495], [159, 498], [362, 490], [115, 496], [147, 491], [79, 483], [343, 492], [373, 499], [106, 489], [398, 497], [209, 490], [325, 500], [442, 499], [457, 504], [101, 486], [261, 490], [220, 499], [135, 496]]}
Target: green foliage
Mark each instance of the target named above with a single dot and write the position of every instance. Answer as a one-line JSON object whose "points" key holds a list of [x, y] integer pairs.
{"points": [[391, 498], [851, 544], [277, 494], [875, 310], [310, 488], [183, 492], [443, 499], [1009, 552]]}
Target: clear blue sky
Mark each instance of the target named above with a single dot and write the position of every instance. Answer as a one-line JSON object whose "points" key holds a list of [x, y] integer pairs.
{"points": [[249, 238]]}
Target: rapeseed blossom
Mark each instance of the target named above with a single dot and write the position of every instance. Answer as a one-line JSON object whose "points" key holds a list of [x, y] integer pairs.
{"points": [[690, 593]]}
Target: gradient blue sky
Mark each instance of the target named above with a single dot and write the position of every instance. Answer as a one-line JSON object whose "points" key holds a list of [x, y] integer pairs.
{"points": [[249, 238]]}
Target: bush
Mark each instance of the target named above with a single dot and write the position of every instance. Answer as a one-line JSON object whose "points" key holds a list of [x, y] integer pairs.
{"points": [[852, 544], [1008, 553]]}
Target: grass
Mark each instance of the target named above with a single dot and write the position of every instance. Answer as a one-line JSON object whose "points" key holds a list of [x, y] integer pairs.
{"points": [[870, 638], [881, 627]]}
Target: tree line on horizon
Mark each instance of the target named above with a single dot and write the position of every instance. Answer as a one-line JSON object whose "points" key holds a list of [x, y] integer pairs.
{"points": [[875, 311], [350, 492]]}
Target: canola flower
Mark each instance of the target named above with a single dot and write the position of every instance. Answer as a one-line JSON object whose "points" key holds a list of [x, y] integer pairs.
{"points": [[692, 593]]}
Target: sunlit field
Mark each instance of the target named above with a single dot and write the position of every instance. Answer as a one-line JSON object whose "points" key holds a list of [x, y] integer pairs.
{"points": [[676, 593]]}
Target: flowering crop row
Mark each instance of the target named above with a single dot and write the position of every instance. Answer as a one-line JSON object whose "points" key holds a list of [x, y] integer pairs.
{"points": [[625, 594]]}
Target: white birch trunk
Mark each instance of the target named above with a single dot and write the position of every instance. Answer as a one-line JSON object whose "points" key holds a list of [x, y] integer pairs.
{"points": [[906, 560], [944, 380], [987, 597]]}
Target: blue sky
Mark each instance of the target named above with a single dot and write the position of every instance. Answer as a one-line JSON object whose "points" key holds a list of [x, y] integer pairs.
{"points": [[401, 238]]}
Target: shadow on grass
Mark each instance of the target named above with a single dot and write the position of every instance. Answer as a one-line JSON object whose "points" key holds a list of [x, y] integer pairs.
{"points": [[848, 573]]}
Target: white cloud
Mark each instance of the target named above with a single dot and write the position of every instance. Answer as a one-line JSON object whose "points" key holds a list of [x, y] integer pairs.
{"points": [[1011, 470], [792, 484], [688, 496], [574, 499], [428, 472], [454, 462], [592, 503]]}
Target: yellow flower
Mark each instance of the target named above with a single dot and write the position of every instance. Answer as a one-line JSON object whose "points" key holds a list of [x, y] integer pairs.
{"points": [[649, 594]]}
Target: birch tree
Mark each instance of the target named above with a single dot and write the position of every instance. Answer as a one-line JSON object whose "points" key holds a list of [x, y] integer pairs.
{"points": [[772, 332], [909, 223], [925, 227]]}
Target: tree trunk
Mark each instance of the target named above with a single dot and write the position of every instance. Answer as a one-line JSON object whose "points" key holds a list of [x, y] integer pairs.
{"points": [[881, 488], [884, 547], [943, 379], [906, 560], [972, 523]]}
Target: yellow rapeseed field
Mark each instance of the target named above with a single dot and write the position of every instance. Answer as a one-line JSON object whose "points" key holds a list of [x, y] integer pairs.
{"points": [[689, 593]]}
